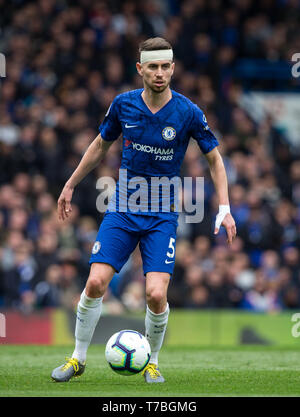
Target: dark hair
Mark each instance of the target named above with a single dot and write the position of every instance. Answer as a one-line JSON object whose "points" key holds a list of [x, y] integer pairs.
{"points": [[154, 44]]}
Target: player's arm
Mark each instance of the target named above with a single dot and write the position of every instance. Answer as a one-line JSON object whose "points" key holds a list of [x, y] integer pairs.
{"points": [[94, 154], [219, 177]]}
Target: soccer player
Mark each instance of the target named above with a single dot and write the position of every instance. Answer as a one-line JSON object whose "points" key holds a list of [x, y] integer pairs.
{"points": [[157, 124]]}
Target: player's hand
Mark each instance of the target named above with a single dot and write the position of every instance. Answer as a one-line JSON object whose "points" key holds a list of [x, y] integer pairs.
{"points": [[64, 207], [229, 224]]}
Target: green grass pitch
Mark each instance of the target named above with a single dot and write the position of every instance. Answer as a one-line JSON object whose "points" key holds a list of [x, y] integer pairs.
{"points": [[189, 371]]}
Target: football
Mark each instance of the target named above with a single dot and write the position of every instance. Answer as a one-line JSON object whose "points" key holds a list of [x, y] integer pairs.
{"points": [[127, 352]]}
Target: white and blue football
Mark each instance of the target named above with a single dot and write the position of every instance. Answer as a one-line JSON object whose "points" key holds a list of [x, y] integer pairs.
{"points": [[127, 352]]}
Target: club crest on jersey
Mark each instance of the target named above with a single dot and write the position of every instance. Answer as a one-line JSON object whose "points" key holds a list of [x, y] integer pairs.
{"points": [[96, 247], [169, 133]]}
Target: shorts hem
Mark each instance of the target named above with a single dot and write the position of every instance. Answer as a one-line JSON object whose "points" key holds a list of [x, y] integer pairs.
{"points": [[155, 270], [117, 269]]}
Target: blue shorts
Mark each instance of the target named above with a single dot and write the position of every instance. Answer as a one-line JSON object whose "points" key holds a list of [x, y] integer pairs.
{"points": [[119, 234]]}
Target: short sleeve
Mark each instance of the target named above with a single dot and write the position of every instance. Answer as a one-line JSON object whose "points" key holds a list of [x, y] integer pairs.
{"points": [[201, 132], [111, 128]]}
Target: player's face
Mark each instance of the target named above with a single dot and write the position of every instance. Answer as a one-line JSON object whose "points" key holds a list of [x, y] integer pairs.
{"points": [[157, 74]]}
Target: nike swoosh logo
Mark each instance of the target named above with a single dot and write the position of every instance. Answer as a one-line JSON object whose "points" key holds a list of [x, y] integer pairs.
{"points": [[129, 126], [168, 262]]}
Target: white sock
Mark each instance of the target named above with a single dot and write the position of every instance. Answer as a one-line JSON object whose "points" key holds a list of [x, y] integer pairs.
{"points": [[88, 314], [156, 325]]}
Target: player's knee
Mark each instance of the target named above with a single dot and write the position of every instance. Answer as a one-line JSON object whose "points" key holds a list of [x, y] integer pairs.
{"points": [[99, 278], [95, 287], [155, 297]]}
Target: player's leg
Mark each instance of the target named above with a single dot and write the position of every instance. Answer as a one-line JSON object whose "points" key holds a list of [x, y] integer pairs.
{"points": [[110, 252], [89, 307], [157, 311], [158, 253], [88, 315], [156, 320]]}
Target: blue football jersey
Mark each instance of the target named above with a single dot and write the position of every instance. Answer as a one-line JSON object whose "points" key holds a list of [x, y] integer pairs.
{"points": [[154, 145]]}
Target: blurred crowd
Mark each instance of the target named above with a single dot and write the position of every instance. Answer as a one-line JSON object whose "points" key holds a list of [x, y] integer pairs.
{"points": [[66, 61]]}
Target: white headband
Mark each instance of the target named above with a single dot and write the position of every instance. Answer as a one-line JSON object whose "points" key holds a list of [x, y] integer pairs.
{"points": [[159, 55]]}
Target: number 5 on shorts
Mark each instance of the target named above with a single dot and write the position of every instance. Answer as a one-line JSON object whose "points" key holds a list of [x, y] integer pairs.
{"points": [[171, 246]]}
